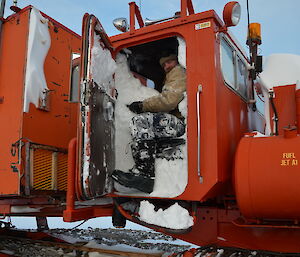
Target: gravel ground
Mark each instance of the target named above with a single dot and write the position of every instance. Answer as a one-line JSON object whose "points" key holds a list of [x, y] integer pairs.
{"points": [[113, 239]]}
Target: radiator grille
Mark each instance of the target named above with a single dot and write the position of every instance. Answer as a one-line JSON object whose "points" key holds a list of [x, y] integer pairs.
{"points": [[48, 169], [62, 167]]}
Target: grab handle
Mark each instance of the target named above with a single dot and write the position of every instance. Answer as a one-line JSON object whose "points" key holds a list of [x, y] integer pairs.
{"points": [[198, 133]]}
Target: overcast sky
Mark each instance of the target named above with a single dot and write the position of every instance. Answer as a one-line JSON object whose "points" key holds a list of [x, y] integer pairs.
{"points": [[280, 20]]}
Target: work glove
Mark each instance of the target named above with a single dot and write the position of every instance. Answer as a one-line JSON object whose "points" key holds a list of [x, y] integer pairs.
{"points": [[136, 107]]}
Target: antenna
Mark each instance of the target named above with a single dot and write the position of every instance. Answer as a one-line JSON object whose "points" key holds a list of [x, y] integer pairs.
{"points": [[141, 6], [252, 55], [248, 25], [2, 7]]}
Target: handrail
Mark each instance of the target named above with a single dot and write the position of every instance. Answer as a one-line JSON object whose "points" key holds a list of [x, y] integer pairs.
{"points": [[198, 134]]}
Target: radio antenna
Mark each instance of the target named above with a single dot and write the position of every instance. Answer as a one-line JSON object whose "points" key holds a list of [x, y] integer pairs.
{"points": [[141, 6], [2, 7]]}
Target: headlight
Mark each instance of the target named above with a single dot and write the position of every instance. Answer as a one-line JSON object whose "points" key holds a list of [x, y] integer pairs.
{"points": [[232, 14]]}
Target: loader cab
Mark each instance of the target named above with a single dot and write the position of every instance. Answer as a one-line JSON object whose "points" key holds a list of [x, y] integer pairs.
{"points": [[216, 103]]}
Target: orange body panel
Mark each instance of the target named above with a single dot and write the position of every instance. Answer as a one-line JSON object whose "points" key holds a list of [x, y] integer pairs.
{"points": [[285, 103], [12, 63], [298, 109], [59, 124], [53, 128]]}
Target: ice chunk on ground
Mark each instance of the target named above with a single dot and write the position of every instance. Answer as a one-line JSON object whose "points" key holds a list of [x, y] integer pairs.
{"points": [[175, 217], [39, 41]]}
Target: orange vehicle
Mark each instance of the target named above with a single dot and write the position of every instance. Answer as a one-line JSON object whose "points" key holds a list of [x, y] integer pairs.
{"points": [[64, 127]]}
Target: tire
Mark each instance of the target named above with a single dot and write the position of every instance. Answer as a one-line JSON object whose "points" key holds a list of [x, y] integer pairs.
{"points": [[118, 220]]}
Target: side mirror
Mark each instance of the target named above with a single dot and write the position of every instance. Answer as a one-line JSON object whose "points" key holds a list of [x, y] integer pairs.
{"points": [[121, 24]]}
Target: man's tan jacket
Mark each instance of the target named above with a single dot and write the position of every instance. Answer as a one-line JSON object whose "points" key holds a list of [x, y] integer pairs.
{"points": [[172, 92]]}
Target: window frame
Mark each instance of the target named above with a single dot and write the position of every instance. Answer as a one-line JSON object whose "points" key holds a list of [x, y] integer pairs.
{"points": [[75, 63], [237, 55]]}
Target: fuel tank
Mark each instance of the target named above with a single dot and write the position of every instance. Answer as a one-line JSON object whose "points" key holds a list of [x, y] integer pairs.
{"points": [[267, 176]]}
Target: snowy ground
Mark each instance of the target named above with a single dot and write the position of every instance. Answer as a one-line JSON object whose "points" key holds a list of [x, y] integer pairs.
{"points": [[137, 241]]}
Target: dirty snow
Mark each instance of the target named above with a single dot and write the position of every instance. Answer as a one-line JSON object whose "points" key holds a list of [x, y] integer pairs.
{"points": [[38, 45], [175, 217], [102, 242], [279, 70], [170, 176], [86, 152]]}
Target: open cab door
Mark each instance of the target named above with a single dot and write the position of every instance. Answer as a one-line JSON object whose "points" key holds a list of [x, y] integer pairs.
{"points": [[96, 158]]}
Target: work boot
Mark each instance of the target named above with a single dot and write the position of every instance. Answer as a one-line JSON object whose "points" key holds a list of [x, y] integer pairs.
{"points": [[139, 180], [142, 175], [169, 148]]}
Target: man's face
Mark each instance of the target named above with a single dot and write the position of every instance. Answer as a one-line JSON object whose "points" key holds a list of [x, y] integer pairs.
{"points": [[169, 65]]}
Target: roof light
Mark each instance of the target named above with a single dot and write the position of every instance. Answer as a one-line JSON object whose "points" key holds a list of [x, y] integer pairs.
{"points": [[254, 33], [121, 24], [232, 14]]}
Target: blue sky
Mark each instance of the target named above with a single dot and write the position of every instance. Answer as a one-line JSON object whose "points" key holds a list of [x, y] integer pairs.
{"points": [[279, 19]]}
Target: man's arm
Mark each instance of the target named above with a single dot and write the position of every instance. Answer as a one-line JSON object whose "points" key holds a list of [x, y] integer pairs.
{"points": [[172, 93]]}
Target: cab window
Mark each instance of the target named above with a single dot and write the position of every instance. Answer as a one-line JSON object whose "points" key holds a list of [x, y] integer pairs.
{"points": [[234, 68], [74, 80]]}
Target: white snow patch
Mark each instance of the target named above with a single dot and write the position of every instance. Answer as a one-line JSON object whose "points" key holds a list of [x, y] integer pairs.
{"points": [[258, 134], [170, 176], [39, 41], [103, 66], [181, 52], [279, 70], [298, 85], [129, 90], [175, 217], [24, 209], [220, 252], [182, 106]]}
